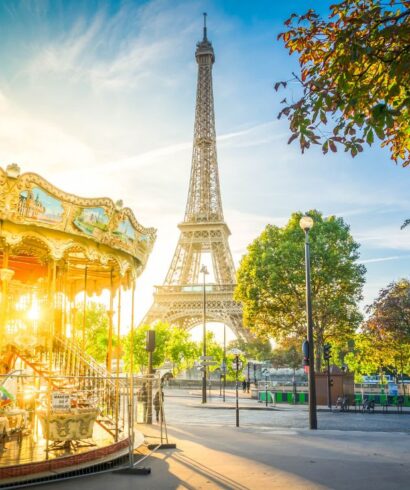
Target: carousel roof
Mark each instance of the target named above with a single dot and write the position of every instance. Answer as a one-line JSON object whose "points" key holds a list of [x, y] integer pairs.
{"points": [[39, 220]]}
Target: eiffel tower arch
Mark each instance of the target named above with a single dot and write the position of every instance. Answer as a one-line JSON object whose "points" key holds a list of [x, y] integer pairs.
{"points": [[204, 231]]}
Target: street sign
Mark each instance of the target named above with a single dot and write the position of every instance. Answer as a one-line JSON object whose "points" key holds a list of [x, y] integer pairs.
{"points": [[265, 372], [208, 363], [206, 358], [235, 352], [239, 365]]}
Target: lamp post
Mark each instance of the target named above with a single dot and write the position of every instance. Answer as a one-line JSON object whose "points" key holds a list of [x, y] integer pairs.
{"points": [[224, 365], [306, 224], [237, 366], [266, 374], [204, 272]]}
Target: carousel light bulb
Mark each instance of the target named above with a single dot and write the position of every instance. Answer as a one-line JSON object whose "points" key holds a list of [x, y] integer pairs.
{"points": [[20, 303], [34, 312]]}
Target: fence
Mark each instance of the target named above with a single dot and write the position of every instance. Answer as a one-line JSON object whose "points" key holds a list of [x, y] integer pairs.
{"points": [[302, 397], [48, 423]]}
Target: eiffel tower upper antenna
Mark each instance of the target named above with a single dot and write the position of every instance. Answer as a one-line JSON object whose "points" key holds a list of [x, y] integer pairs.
{"points": [[205, 38]]}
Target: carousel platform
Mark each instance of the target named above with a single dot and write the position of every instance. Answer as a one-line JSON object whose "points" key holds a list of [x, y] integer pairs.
{"points": [[27, 461]]}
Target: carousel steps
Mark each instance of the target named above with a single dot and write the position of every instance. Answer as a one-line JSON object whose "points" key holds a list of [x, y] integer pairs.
{"points": [[108, 425], [67, 375], [41, 368]]}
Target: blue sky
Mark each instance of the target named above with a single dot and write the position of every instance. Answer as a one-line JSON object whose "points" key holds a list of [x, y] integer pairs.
{"points": [[98, 97]]}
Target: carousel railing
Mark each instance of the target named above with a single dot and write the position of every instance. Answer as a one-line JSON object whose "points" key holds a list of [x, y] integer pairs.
{"points": [[67, 368], [110, 390]]}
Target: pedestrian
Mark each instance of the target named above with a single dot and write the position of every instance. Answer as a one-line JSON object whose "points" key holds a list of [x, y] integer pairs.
{"points": [[248, 386], [143, 396], [158, 403], [244, 385]]}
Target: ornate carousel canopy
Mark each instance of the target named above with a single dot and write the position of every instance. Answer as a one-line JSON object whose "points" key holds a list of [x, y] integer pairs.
{"points": [[95, 243]]}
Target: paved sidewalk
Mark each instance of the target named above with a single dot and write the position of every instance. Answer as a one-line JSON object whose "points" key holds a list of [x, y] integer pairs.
{"points": [[271, 450], [240, 459]]}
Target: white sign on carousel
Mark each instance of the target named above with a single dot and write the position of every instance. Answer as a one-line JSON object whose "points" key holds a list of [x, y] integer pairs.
{"points": [[60, 401]]}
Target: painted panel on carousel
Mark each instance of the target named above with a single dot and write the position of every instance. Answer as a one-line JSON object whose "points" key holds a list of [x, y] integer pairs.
{"points": [[125, 231], [37, 204], [92, 221], [144, 240]]}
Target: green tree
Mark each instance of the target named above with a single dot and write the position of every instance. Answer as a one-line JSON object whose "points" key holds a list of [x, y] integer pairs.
{"points": [[172, 344], [288, 354], [355, 77], [366, 357], [253, 349], [181, 350], [162, 335], [388, 325], [384, 340], [96, 329], [213, 348], [271, 282]]}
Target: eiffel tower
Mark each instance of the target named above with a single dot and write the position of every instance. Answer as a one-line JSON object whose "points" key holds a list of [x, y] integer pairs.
{"points": [[180, 300]]}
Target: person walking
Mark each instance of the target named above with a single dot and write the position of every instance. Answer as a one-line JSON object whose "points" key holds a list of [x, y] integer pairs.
{"points": [[248, 386], [244, 385], [158, 403], [143, 396]]}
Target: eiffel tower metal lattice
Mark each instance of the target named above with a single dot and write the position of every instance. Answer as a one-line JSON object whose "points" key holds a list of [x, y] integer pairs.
{"points": [[203, 231]]}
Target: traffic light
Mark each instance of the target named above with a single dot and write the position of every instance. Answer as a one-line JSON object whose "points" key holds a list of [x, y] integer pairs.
{"points": [[327, 351]]}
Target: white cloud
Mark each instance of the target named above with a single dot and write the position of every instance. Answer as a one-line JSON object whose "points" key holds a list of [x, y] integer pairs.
{"points": [[106, 53], [383, 259], [157, 156], [388, 237], [38, 144]]}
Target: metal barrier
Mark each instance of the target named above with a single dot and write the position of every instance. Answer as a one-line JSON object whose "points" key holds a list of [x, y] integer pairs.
{"points": [[56, 422]]}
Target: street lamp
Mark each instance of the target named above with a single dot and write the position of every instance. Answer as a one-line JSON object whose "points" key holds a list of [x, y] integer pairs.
{"points": [[306, 224], [204, 272], [238, 366], [224, 365]]}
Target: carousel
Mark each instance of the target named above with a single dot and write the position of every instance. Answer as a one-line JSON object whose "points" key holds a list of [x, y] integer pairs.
{"points": [[58, 406]]}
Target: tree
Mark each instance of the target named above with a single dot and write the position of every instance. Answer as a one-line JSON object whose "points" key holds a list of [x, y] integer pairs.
{"points": [[384, 340], [366, 357], [252, 349], [171, 344], [289, 355], [355, 77], [389, 325], [214, 349], [96, 329], [140, 360], [181, 350], [271, 282]]}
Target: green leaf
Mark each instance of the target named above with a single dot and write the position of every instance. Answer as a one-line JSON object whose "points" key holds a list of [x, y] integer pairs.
{"points": [[380, 133], [370, 137]]}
